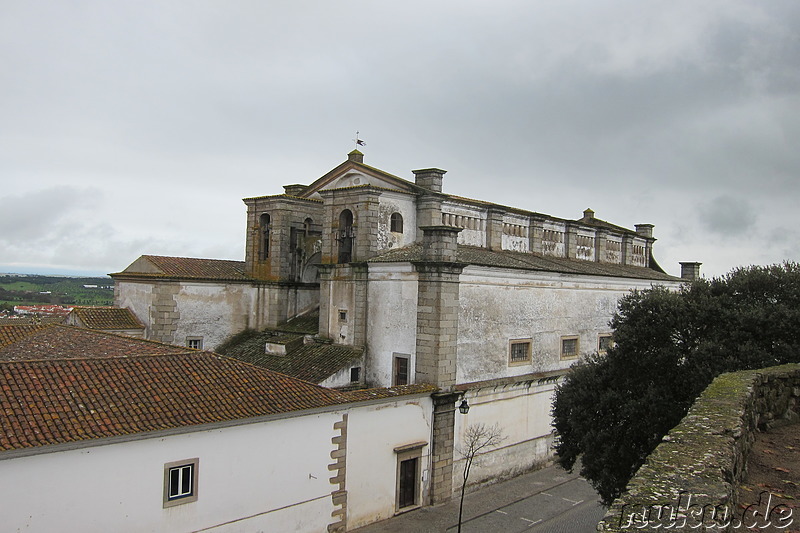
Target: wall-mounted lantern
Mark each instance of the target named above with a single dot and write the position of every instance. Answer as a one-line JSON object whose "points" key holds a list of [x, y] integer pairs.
{"points": [[464, 407]]}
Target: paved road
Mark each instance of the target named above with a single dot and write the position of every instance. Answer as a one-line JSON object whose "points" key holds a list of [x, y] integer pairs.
{"points": [[546, 501]]}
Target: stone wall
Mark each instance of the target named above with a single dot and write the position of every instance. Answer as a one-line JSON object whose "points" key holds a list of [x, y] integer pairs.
{"points": [[689, 482]]}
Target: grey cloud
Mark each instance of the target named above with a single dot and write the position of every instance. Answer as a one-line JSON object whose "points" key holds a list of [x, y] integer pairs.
{"points": [[727, 216]]}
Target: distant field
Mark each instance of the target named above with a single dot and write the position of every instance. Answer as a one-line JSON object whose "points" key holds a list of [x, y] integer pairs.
{"points": [[34, 289]]}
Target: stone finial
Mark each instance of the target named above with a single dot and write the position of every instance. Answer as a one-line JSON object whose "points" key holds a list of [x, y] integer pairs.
{"points": [[356, 156], [294, 190], [588, 213], [645, 230], [429, 178], [690, 271]]}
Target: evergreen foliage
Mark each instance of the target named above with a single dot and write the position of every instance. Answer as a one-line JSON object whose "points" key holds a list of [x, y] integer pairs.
{"points": [[612, 410]]}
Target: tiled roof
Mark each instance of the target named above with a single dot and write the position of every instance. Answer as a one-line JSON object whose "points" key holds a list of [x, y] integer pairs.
{"points": [[186, 268], [18, 321], [107, 318], [11, 333], [473, 255], [308, 324], [381, 394], [57, 341], [69, 400], [314, 362]]}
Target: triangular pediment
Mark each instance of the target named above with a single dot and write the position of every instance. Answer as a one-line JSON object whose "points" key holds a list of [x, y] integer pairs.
{"points": [[354, 174]]}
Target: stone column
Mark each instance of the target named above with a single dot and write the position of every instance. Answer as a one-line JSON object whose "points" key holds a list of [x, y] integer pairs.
{"points": [[494, 230], [437, 307], [571, 241], [444, 409]]}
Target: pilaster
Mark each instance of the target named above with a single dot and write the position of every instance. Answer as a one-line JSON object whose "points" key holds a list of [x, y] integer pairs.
{"points": [[444, 409]]}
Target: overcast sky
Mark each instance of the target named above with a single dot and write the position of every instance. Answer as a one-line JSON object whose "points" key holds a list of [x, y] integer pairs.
{"points": [[130, 128]]}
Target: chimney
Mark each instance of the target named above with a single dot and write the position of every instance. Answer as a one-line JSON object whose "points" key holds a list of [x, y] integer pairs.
{"points": [[440, 243], [588, 214], [690, 271], [429, 178], [646, 230], [355, 156]]}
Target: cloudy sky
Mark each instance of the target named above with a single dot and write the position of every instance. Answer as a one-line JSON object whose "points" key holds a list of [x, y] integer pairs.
{"points": [[131, 128]]}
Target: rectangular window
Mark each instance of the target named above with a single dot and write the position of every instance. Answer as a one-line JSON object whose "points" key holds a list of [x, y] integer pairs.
{"points": [[519, 351], [180, 482], [604, 342], [342, 315], [400, 371], [355, 374], [194, 342], [569, 347]]}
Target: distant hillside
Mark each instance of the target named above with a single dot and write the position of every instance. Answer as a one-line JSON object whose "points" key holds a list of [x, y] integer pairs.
{"points": [[19, 289]]}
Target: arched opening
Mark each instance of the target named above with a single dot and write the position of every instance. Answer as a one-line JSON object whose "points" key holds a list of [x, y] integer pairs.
{"points": [[263, 248], [345, 236], [396, 223], [307, 226]]}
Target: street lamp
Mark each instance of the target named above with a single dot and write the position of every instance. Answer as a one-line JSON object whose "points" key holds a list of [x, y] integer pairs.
{"points": [[464, 407]]}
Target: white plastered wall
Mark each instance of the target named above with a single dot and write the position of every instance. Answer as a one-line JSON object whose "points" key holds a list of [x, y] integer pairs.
{"points": [[391, 320], [373, 433], [270, 476]]}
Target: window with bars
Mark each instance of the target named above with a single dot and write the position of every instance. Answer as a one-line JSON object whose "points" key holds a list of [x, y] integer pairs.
{"points": [[519, 351], [569, 347]]}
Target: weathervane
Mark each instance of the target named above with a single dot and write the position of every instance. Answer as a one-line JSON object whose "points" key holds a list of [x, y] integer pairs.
{"points": [[359, 142]]}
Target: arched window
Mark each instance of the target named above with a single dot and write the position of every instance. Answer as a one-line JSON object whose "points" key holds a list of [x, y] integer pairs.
{"points": [[345, 236], [396, 223], [307, 226], [263, 223]]}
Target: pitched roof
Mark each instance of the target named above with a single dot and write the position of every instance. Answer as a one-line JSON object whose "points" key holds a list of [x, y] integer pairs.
{"points": [[474, 255], [107, 318], [314, 362], [69, 400], [56, 341], [157, 266], [10, 333]]}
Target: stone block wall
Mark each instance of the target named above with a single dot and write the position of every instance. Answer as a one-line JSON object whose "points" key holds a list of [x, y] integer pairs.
{"points": [[689, 482]]}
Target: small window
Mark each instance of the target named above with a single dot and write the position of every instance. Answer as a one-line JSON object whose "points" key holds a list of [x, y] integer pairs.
{"points": [[342, 315], [195, 343], [400, 371], [604, 342], [396, 223], [355, 374], [569, 347], [264, 228], [519, 351], [180, 482]]}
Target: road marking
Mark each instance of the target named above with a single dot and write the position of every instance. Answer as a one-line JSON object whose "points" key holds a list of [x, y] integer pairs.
{"points": [[501, 512], [546, 494], [532, 522], [573, 502]]}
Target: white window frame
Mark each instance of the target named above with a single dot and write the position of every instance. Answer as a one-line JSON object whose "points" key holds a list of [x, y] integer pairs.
{"points": [[180, 468], [197, 340]]}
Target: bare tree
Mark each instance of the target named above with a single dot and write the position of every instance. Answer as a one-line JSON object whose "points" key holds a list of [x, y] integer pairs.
{"points": [[477, 438]]}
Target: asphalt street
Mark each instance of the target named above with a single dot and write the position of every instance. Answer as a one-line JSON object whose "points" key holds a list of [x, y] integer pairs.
{"points": [[545, 501]]}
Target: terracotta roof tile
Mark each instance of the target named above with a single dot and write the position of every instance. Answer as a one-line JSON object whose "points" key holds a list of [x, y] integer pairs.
{"points": [[107, 318], [68, 400], [473, 255], [57, 341], [314, 362], [10, 333], [189, 268]]}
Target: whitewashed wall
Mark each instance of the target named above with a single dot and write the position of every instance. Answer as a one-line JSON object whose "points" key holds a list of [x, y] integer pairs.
{"points": [[391, 320], [389, 203], [497, 306], [372, 435], [266, 477], [521, 413]]}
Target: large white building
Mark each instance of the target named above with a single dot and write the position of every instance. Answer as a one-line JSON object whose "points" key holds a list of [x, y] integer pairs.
{"points": [[490, 304]]}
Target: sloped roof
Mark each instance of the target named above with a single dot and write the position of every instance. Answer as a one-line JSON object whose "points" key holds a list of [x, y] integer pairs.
{"points": [[314, 362], [69, 400], [10, 333], [107, 318], [474, 255], [57, 341], [157, 266]]}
